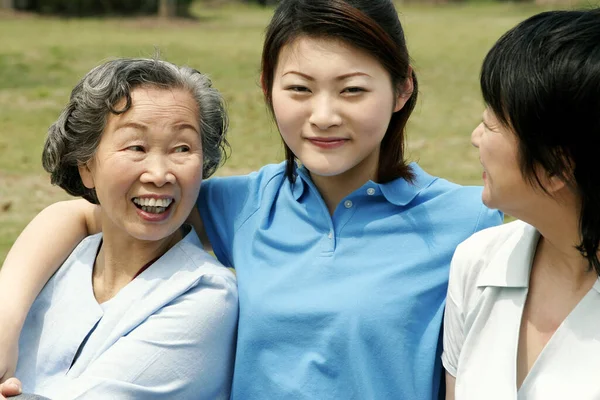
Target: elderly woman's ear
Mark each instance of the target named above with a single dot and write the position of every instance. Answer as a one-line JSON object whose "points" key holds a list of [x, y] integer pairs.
{"points": [[86, 175]]}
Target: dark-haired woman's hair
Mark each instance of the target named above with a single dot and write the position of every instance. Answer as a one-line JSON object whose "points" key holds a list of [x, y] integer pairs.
{"points": [[73, 139], [542, 80], [369, 25]]}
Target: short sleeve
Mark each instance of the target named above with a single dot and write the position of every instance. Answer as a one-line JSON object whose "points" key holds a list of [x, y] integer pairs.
{"points": [[453, 319], [225, 203], [488, 218], [221, 203]]}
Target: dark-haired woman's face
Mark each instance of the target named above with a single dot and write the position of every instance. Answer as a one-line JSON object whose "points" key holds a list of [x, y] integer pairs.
{"points": [[504, 186], [333, 104]]}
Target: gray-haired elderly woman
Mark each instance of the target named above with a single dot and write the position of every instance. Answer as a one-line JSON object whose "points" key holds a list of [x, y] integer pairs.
{"points": [[139, 311]]}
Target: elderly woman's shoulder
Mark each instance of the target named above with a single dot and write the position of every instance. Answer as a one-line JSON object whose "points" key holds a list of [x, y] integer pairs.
{"points": [[192, 252], [203, 279]]}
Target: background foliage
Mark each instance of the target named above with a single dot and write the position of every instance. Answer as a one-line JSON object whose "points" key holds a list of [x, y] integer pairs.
{"points": [[82, 8]]}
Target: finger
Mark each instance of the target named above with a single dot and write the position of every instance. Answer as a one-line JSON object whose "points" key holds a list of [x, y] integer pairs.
{"points": [[11, 387]]}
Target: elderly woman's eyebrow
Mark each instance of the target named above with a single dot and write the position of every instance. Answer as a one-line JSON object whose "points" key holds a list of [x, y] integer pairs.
{"points": [[131, 124], [179, 126]]}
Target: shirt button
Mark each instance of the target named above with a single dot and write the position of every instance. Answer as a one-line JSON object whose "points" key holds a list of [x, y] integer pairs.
{"points": [[348, 203], [370, 191], [330, 236]]}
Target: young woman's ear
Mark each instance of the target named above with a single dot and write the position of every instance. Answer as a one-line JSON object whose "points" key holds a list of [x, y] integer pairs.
{"points": [[262, 84], [86, 175], [404, 90]]}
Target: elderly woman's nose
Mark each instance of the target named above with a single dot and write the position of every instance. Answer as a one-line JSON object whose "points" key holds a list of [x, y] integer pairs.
{"points": [[476, 135], [158, 171]]}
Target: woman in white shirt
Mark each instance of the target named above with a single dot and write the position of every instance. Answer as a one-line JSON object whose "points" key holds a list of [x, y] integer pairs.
{"points": [[523, 309]]}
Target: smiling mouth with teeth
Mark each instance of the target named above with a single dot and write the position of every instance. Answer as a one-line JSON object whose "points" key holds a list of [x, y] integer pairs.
{"points": [[153, 206]]}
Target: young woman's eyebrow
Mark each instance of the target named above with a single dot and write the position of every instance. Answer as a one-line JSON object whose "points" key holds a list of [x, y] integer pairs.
{"points": [[307, 77], [339, 78]]}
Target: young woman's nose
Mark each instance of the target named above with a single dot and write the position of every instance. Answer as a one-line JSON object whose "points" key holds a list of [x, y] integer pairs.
{"points": [[476, 135], [157, 171], [324, 113]]}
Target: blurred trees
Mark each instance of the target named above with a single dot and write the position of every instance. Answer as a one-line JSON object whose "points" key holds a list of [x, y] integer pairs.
{"points": [[167, 8], [79, 8], [172, 8]]}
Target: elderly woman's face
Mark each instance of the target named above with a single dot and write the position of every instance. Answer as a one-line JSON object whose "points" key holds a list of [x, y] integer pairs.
{"points": [[147, 169]]}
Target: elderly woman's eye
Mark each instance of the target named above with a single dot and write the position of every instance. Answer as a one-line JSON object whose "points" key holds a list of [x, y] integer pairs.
{"points": [[182, 149], [136, 148]]}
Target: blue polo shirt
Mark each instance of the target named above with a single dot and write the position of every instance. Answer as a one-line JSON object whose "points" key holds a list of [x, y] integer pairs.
{"points": [[341, 307]]}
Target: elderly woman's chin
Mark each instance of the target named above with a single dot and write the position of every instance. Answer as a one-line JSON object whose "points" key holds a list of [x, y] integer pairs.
{"points": [[153, 226]]}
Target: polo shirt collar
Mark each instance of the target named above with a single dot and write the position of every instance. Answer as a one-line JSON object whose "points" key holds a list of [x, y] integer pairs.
{"points": [[301, 182], [511, 264], [398, 192]]}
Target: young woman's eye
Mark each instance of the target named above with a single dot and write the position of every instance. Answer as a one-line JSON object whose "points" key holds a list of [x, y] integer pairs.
{"points": [[136, 148], [354, 89], [298, 89], [182, 149]]}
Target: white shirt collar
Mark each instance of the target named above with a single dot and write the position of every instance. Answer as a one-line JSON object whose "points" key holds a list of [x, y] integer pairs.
{"points": [[511, 264]]}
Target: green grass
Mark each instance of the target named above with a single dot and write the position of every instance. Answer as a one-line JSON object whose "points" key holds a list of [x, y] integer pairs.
{"points": [[41, 59]]}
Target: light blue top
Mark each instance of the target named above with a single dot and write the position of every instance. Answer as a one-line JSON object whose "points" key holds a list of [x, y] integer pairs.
{"points": [[342, 307], [169, 334]]}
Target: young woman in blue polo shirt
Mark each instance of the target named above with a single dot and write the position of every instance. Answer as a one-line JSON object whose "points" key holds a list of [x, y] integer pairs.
{"points": [[342, 251]]}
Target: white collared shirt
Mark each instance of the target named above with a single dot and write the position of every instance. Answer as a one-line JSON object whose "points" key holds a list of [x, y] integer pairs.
{"points": [[489, 279]]}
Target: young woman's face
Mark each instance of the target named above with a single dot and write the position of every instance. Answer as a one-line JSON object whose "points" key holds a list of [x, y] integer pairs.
{"points": [[147, 168], [333, 104]]}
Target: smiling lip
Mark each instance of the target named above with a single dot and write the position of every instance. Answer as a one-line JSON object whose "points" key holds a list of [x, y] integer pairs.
{"points": [[151, 217], [483, 174], [328, 143], [154, 196]]}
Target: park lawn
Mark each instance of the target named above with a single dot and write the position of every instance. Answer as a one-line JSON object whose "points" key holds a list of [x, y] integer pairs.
{"points": [[41, 59]]}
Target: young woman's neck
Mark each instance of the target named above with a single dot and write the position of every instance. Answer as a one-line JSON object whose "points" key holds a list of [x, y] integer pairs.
{"points": [[334, 188], [121, 257]]}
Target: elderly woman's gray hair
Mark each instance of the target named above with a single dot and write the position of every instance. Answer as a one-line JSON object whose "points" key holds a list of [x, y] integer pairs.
{"points": [[73, 139]]}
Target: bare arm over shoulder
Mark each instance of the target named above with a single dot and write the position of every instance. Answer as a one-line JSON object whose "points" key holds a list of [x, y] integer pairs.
{"points": [[34, 257], [450, 386], [195, 220]]}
